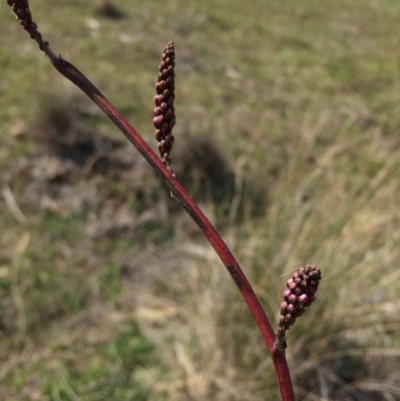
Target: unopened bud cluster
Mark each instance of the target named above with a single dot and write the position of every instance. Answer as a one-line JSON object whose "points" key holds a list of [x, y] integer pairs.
{"points": [[164, 112], [300, 293], [24, 17]]}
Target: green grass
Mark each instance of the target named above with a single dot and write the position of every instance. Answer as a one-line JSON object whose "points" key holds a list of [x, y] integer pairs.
{"points": [[107, 289]]}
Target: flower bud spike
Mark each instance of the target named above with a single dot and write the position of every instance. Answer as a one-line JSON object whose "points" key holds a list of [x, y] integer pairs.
{"points": [[164, 101], [300, 293], [24, 17]]}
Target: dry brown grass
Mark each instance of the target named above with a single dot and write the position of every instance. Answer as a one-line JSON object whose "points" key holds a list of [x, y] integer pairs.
{"points": [[344, 347]]}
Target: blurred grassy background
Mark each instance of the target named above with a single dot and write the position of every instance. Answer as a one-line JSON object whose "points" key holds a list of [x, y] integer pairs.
{"points": [[288, 117]]}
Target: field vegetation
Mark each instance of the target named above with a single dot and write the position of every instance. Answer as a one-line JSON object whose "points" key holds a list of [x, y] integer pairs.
{"points": [[288, 123]]}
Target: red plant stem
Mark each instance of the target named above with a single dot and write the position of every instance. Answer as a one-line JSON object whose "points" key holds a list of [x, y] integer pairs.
{"points": [[187, 203]]}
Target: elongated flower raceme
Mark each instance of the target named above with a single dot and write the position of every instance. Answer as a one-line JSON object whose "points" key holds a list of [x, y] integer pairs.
{"points": [[300, 293], [164, 112], [24, 17]]}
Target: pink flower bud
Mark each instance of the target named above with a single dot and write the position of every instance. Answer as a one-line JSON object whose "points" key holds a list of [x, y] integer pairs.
{"points": [[287, 294], [291, 284], [158, 121], [163, 107], [164, 128], [303, 298], [311, 299], [300, 293], [168, 115], [158, 135], [289, 319]]}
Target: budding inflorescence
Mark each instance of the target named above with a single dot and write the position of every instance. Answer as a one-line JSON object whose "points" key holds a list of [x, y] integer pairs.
{"points": [[300, 293], [164, 112], [24, 17]]}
